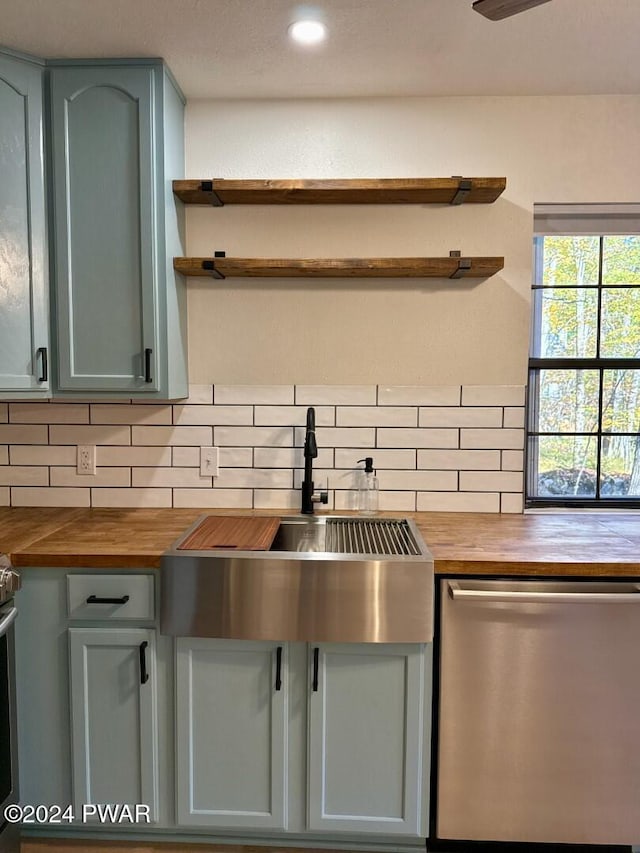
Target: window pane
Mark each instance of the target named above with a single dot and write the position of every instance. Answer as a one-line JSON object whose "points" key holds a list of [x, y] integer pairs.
{"points": [[621, 401], [620, 475], [621, 260], [620, 323], [567, 325], [568, 401], [571, 260], [566, 466]]}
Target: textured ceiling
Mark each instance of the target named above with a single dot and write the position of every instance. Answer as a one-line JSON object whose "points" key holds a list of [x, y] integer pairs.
{"points": [[239, 48]]}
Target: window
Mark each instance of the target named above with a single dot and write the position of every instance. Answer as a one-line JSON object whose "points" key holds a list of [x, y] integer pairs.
{"points": [[583, 446]]}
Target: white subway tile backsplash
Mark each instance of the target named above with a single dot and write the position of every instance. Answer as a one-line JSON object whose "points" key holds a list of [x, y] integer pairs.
{"points": [[434, 447], [288, 499], [147, 415], [454, 416], [397, 501], [420, 481], [485, 460], [378, 416], [200, 394], [48, 413], [213, 415], [68, 434], [254, 395], [38, 454], [493, 395], [236, 457], [131, 497], [417, 438], [340, 437], [507, 439], [336, 395], [136, 455], [253, 478], [21, 434], [514, 417], [419, 395], [405, 458], [67, 476], [290, 457], [19, 475], [457, 502], [169, 478], [511, 503], [185, 457], [293, 415], [213, 498], [253, 436], [200, 436], [490, 481], [52, 497], [513, 460]]}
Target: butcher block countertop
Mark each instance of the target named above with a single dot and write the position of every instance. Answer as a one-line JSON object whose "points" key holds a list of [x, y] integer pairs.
{"points": [[559, 544]]}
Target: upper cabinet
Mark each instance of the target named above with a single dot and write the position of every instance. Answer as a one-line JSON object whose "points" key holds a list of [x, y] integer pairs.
{"points": [[24, 338], [120, 309]]}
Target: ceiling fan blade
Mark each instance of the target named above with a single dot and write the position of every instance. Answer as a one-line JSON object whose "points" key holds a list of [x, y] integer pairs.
{"points": [[496, 10]]}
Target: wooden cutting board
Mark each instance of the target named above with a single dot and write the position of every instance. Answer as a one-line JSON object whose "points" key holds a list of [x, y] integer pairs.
{"points": [[242, 534]]}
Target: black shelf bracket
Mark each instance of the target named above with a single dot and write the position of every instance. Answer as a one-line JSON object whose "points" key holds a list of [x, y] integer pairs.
{"points": [[210, 266], [464, 188], [207, 187], [464, 264]]}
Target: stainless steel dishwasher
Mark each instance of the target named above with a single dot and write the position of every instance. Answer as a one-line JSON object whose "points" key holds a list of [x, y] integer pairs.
{"points": [[539, 712]]}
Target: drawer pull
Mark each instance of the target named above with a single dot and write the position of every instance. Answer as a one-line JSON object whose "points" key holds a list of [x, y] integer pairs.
{"points": [[94, 599], [316, 654], [144, 675], [279, 668]]}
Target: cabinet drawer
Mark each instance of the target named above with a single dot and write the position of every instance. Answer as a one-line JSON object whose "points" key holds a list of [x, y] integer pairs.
{"points": [[127, 597]]}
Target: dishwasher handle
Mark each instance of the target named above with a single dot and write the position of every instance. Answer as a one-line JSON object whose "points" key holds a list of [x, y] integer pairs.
{"points": [[539, 597]]}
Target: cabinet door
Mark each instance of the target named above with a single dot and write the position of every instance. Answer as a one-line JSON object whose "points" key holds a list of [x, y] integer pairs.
{"points": [[114, 717], [102, 121], [366, 738], [231, 733], [23, 265]]}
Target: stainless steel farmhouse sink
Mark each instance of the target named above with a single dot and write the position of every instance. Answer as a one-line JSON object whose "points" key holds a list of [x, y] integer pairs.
{"points": [[325, 579]]}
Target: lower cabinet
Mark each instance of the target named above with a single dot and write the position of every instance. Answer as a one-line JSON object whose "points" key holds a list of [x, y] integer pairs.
{"points": [[231, 733], [114, 717], [364, 747]]}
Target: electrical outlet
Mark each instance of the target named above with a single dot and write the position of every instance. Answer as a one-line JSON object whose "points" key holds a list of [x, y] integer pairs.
{"points": [[86, 459], [208, 461]]}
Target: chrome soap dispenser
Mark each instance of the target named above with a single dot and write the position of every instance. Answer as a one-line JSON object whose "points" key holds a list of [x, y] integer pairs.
{"points": [[367, 496]]}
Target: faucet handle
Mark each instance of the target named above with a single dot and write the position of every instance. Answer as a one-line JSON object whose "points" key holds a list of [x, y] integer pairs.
{"points": [[322, 495]]}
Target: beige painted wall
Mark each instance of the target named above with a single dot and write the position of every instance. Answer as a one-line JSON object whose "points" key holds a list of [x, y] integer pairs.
{"points": [[557, 149]]}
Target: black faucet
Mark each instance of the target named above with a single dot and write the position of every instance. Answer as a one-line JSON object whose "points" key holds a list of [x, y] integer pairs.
{"points": [[309, 497]]}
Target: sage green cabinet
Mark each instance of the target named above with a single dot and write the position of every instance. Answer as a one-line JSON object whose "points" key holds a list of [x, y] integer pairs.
{"points": [[114, 717], [255, 718], [116, 134], [366, 724], [231, 730], [24, 309]]}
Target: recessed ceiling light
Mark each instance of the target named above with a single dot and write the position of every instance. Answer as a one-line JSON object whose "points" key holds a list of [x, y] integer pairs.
{"points": [[308, 32]]}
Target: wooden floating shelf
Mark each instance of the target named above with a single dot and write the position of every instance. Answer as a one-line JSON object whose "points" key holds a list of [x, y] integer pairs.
{"points": [[448, 267], [219, 192]]}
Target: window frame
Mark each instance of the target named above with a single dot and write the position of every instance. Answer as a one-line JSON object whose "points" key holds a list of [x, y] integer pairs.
{"points": [[537, 364]]}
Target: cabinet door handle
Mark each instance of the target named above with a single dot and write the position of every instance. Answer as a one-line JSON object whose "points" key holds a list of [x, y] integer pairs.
{"points": [[42, 354], [279, 668], [316, 655], [147, 364], [94, 599], [144, 675]]}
